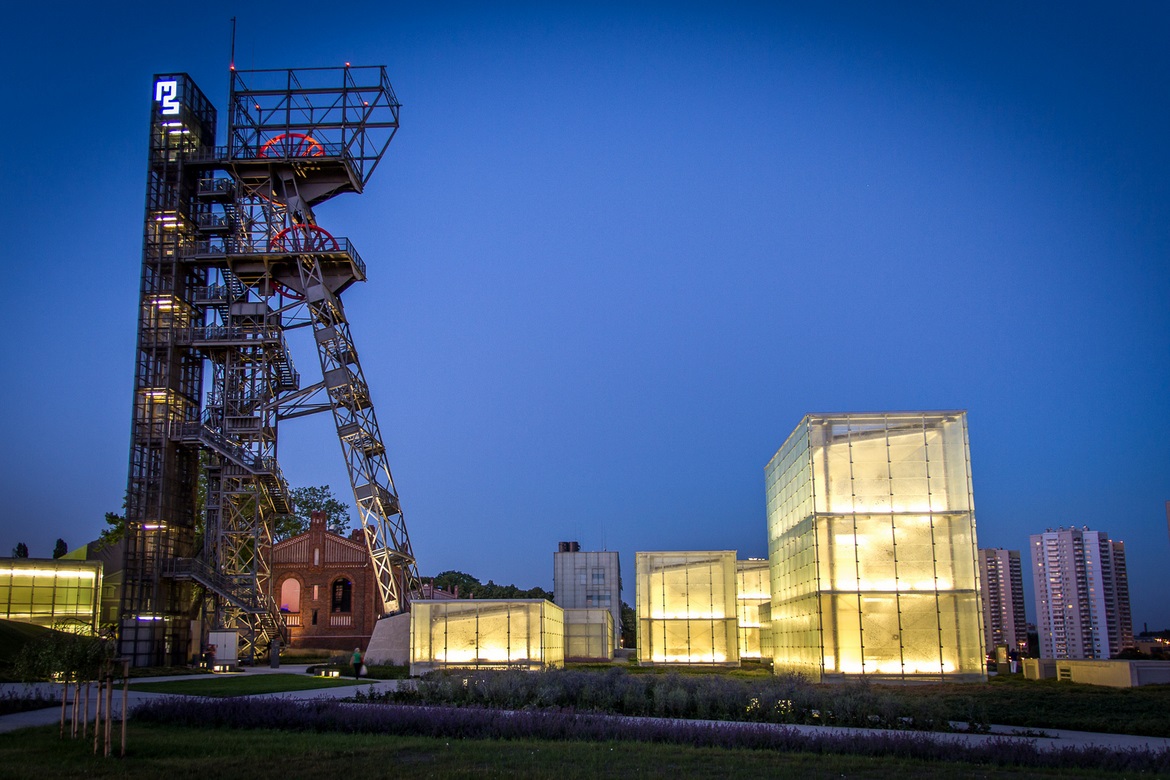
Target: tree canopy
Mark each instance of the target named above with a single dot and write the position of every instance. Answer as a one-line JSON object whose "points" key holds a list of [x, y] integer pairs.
{"points": [[305, 501], [60, 549], [471, 587], [20, 550]]}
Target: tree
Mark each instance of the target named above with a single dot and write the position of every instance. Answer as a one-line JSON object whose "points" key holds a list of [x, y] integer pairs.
{"points": [[629, 625], [305, 501], [113, 532], [20, 550], [450, 580], [60, 549], [470, 587]]}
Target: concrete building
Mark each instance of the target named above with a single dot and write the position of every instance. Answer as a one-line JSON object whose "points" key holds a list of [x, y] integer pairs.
{"points": [[588, 580], [1001, 584], [589, 635], [1082, 594], [871, 543]]}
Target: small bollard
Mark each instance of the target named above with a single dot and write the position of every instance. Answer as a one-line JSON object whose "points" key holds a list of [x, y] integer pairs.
{"points": [[274, 654]]}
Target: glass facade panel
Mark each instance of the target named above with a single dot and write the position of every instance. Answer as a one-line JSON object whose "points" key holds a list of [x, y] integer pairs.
{"points": [[872, 515], [51, 593], [485, 633], [753, 590], [687, 608]]}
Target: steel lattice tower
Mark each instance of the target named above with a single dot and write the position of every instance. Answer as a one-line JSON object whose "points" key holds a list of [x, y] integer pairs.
{"points": [[233, 258]]}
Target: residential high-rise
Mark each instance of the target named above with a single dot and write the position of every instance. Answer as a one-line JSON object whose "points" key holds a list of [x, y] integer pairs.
{"points": [[871, 542], [1082, 594], [1001, 582]]}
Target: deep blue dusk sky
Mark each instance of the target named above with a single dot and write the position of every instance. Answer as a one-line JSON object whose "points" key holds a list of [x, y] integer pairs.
{"points": [[616, 253]]}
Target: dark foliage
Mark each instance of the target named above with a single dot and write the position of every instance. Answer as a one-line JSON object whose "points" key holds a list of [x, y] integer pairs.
{"points": [[474, 723], [470, 587], [15, 701], [781, 699]]}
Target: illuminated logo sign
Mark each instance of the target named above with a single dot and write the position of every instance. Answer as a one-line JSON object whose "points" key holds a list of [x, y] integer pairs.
{"points": [[166, 94]]}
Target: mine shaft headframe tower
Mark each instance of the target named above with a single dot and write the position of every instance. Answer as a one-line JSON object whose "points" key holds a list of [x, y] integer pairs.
{"points": [[233, 257], [295, 139]]}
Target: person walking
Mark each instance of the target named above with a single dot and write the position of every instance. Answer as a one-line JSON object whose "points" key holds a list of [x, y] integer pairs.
{"points": [[357, 663]]}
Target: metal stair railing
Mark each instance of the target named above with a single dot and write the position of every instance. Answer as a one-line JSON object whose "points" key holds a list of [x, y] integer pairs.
{"points": [[240, 595]]}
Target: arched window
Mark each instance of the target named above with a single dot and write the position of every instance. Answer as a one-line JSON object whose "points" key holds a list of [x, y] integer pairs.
{"points": [[342, 596], [290, 595]]}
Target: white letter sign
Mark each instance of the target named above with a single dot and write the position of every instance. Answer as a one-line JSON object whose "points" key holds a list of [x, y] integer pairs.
{"points": [[167, 93]]}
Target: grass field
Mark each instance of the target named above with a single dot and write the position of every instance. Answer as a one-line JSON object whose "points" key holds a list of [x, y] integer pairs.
{"points": [[243, 684], [1014, 701], [208, 754]]}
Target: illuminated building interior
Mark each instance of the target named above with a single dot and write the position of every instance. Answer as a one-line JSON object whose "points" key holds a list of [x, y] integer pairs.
{"points": [[51, 593], [871, 542], [486, 634], [589, 634], [753, 590], [686, 608]]}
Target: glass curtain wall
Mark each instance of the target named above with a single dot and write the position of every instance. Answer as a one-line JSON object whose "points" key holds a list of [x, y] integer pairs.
{"points": [[753, 589], [686, 608], [51, 593], [872, 548], [485, 634]]}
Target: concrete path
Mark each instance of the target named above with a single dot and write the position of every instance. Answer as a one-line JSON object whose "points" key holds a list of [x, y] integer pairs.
{"points": [[1053, 739]]}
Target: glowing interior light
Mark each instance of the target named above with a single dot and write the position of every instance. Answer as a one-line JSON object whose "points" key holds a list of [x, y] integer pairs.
{"points": [[79, 574]]}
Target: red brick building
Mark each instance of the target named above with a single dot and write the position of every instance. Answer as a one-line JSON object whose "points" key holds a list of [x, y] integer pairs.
{"points": [[324, 584]]}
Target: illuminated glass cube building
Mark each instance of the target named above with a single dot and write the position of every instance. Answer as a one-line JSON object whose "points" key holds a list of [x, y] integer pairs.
{"points": [[56, 593], [486, 634], [871, 541], [686, 608], [753, 591]]}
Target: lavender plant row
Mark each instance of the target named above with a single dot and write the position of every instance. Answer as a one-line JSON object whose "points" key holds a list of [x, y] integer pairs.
{"points": [[474, 723]]}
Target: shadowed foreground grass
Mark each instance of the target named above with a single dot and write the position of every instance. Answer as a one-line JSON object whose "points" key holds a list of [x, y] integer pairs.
{"points": [[244, 685], [206, 754]]}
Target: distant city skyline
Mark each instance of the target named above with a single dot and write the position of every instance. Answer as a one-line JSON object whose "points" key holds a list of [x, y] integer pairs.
{"points": [[615, 254]]}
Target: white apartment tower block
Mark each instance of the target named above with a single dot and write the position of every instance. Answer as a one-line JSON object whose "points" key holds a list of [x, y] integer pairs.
{"points": [[1082, 594]]}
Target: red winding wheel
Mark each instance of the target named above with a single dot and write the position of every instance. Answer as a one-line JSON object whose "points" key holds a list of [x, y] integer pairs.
{"points": [[292, 145], [303, 237]]}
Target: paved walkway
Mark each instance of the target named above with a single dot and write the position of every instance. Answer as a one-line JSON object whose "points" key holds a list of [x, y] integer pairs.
{"points": [[1054, 739]]}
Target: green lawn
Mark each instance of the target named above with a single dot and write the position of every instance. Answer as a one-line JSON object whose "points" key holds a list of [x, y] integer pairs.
{"points": [[1014, 701], [176, 753], [224, 686]]}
